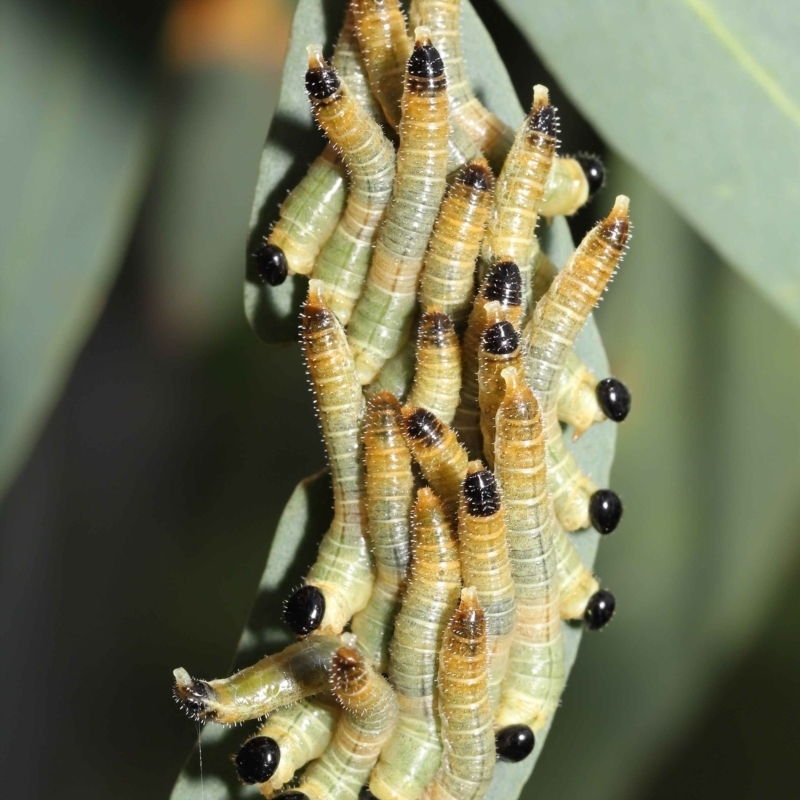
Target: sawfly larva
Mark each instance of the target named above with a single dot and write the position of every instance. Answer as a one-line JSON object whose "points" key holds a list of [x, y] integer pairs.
{"points": [[468, 758], [448, 272], [570, 184], [290, 738], [340, 581], [369, 156], [388, 491], [412, 756], [383, 314], [397, 373], [437, 380], [485, 564]]}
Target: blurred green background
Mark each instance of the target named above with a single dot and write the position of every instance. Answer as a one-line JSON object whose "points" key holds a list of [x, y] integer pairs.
{"points": [[148, 441]]}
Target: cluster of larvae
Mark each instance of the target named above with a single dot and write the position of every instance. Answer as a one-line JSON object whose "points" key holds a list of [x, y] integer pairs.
{"points": [[430, 625]]}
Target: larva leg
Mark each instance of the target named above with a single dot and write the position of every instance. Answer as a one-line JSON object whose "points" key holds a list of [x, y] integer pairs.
{"points": [[340, 581], [520, 187], [389, 486], [503, 285], [397, 373], [549, 336], [485, 564], [437, 381], [306, 219], [296, 672], [570, 184], [412, 756], [535, 678], [369, 714], [369, 156], [469, 747], [500, 348], [290, 738], [448, 272], [382, 316], [437, 451]]}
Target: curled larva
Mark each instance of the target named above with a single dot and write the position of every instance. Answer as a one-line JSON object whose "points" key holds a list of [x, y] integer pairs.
{"points": [[388, 491], [397, 373], [412, 756], [340, 581], [469, 747], [437, 380], [369, 712], [369, 157], [535, 678], [290, 738], [448, 272], [296, 672], [570, 184], [485, 564], [549, 336], [382, 317], [504, 286]]}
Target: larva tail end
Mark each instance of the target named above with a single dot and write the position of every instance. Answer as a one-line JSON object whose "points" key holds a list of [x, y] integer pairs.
{"points": [[304, 610], [426, 500], [384, 401], [504, 284], [514, 743], [269, 264], [348, 671], [422, 426], [257, 760], [321, 79], [477, 175], [500, 338], [613, 398], [468, 622], [543, 117], [193, 696], [616, 227], [605, 510], [425, 63], [599, 610], [436, 328], [594, 170], [481, 495]]}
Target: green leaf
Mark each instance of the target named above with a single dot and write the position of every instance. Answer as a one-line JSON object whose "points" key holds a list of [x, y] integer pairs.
{"points": [[75, 89], [703, 97]]}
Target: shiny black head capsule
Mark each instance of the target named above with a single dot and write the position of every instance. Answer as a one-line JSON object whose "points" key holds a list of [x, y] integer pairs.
{"points": [[270, 264], [425, 427], [514, 743], [613, 398], [599, 610], [504, 284], [594, 171], [322, 82], [605, 510], [500, 339], [480, 492], [304, 610], [258, 759]]}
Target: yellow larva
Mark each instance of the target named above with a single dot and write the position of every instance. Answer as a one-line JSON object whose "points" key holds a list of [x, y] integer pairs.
{"points": [[549, 336], [571, 182], [296, 672], [340, 581], [369, 713], [448, 272], [412, 756], [290, 738], [485, 564], [503, 285], [382, 317], [437, 381], [469, 749], [519, 190], [389, 486], [535, 678], [396, 374], [369, 156]]}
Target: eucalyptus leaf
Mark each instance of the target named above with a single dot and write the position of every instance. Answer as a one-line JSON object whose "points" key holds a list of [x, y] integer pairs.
{"points": [[703, 96]]}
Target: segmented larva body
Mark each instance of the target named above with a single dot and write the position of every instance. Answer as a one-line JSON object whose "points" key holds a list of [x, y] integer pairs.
{"points": [[369, 712], [389, 486], [576, 583], [438, 453], [549, 336], [503, 285], [382, 316], [397, 373], [291, 737], [448, 272], [296, 672], [571, 182], [466, 715], [500, 348], [437, 380], [340, 581], [535, 678], [370, 160], [485, 564], [510, 233], [412, 756]]}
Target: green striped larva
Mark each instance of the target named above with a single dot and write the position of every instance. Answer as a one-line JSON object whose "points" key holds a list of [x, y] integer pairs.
{"points": [[382, 316], [485, 564], [437, 380], [340, 581], [464, 709], [412, 756], [343, 262], [388, 492], [397, 373]]}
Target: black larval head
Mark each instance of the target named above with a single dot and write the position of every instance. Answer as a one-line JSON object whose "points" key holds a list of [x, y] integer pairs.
{"points": [[504, 284], [257, 759], [322, 82], [304, 610], [599, 610], [480, 492], [594, 171], [270, 264], [605, 510], [613, 398], [514, 743]]}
